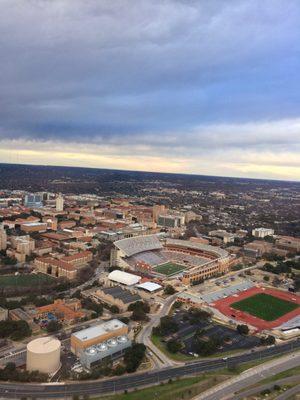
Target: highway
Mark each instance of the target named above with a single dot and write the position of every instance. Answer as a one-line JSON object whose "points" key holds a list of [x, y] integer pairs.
{"points": [[226, 390], [60, 390]]}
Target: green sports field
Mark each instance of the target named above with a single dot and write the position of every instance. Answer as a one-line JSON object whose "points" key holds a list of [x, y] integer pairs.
{"points": [[169, 268], [265, 306], [24, 280]]}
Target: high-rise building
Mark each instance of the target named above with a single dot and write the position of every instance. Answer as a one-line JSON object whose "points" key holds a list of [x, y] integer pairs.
{"points": [[33, 200], [157, 210], [3, 238], [262, 232], [59, 203]]}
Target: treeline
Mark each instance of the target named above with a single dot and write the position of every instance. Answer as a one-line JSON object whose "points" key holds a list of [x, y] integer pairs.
{"points": [[11, 373], [14, 330]]}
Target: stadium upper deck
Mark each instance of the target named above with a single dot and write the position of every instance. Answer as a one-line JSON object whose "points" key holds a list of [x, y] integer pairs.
{"points": [[138, 244]]}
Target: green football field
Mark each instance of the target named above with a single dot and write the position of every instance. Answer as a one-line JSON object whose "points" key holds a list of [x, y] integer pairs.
{"points": [[169, 268], [265, 306], [24, 279]]}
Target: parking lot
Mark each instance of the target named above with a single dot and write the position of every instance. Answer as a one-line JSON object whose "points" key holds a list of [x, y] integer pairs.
{"points": [[232, 340]]}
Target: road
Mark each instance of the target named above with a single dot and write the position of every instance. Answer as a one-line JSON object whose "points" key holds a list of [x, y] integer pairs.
{"points": [[128, 382], [226, 390], [258, 389], [289, 393], [159, 358]]}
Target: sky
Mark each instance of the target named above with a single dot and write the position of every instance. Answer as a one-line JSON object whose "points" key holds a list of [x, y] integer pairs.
{"points": [[190, 86]]}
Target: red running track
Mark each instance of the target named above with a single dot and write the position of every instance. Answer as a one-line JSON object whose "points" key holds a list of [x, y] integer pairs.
{"points": [[224, 306]]}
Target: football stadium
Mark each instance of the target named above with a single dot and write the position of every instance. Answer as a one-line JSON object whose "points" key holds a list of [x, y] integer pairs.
{"points": [[168, 258], [262, 308]]}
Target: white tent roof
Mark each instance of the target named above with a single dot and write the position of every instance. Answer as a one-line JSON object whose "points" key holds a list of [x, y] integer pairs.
{"points": [[124, 277], [149, 286]]}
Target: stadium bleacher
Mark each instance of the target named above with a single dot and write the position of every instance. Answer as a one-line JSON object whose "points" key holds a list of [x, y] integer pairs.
{"points": [[229, 291], [138, 244]]}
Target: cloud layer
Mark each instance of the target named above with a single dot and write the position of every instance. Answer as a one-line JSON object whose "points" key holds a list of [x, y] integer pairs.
{"points": [[186, 86]]}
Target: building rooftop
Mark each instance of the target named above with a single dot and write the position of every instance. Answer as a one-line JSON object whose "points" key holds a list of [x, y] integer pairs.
{"points": [[124, 277], [149, 286], [99, 330]]}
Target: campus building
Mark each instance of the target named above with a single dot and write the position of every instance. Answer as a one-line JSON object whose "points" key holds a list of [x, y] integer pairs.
{"points": [[96, 335]]}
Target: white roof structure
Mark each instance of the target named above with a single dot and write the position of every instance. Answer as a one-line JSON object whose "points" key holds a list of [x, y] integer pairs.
{"points": [[137, 244], [149, 286], [98, 330], [45, 344], [124, 277]]}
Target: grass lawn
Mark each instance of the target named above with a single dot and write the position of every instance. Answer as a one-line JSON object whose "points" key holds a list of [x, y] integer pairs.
{"points": [[265, 306], [186, 388], [24, 279], [169, 268], [284, 374]]}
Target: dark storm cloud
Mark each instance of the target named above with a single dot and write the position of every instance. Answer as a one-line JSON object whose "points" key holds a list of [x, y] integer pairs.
{"points": [[144, 72]]}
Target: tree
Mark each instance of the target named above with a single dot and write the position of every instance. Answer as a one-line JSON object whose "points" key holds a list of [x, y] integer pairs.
{"points": [[53, 326], [90, 305], [139, 310], [177, 304], [169, 290], [267, 340], [114, 309], [174, 345], [242, 329], [167, 325], [15, 330], [206, 347], [134, 356]]}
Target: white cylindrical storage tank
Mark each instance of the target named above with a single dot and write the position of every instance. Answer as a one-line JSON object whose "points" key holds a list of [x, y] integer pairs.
{"points": [[43, 354]]}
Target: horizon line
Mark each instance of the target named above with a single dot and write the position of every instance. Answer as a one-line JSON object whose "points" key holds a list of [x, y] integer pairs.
{"points": [[153, 172]]}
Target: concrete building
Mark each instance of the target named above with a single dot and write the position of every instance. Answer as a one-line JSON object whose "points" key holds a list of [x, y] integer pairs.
{"points": [[257, 248], [33, 200], [3, 314], [262, 232], [157, 210], [59, 203], [170, 221], [34, 227], [3, 238], [288, 243], [97, 334], [43, 354], [114, 296], [108, 350], [224, 235], [24, 245]]}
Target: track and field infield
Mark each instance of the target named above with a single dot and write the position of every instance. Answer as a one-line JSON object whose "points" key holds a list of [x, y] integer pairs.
{"points": [[260, 312], [265, 306], [169, 268]]}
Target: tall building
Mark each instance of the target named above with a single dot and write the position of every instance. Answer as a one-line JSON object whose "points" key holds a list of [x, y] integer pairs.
{"points": [[3, 238], [158, 209], [59, 203], [170, 221], [33, 200], [262, 232]]}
